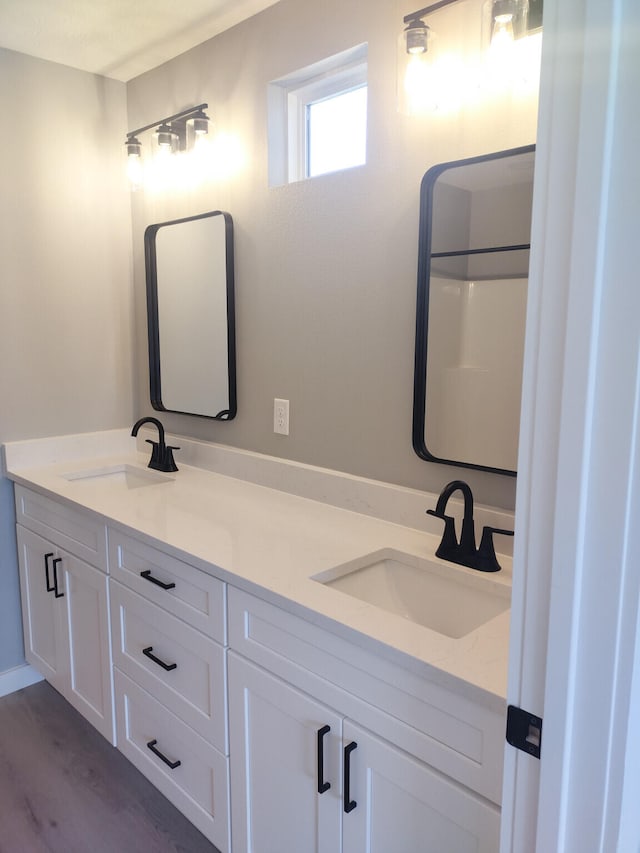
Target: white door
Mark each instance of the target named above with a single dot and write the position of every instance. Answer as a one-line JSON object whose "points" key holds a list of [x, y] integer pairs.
{"points": [[86, 611], [399, 804], [279, 737], [575, 631], [44, 636]]}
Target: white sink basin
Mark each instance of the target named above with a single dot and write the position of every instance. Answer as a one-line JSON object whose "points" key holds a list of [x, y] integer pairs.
{"points": [[439, 595], [129, 476]]}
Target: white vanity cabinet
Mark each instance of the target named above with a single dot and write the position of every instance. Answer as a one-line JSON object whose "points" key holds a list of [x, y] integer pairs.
{"points": [[65, 603], [353, 764], [169, 637], [273, 730]]}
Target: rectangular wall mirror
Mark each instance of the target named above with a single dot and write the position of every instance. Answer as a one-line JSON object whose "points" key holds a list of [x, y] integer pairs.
{"points": [[190, 311], [473, 267]]}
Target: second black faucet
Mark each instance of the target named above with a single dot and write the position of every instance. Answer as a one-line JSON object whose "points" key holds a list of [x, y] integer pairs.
{"points": [[161, 455], [464, 551]]}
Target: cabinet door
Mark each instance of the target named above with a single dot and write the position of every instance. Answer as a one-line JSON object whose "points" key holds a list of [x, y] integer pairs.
{"points": [[44, 636], [278, 760], [403, 805], [85, 605]]}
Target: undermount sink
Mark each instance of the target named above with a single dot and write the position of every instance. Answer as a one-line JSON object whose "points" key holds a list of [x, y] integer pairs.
{"points": [[130, 476], [441, 596]]}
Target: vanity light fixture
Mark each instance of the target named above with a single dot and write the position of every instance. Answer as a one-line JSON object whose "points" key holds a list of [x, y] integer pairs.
{"points": [[171, 136], [512, 17], [503, 22]]}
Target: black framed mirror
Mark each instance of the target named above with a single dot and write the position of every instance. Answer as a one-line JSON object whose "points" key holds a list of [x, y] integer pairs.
{"points": [[191, 315], [473, 267]]}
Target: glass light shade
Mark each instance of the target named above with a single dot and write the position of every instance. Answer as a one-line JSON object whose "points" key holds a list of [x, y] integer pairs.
{"points": [[200, 123], [416, 36], [504, 21], [165, 136], [133, 146], [415, 84], [134, 171]]}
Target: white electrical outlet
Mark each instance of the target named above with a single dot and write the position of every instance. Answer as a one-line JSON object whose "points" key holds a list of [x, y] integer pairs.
{"points": [[281, 416]]}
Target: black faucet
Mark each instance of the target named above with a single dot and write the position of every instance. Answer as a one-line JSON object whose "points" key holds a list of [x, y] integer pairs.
{"points": [[161, 455], [464, 552]]}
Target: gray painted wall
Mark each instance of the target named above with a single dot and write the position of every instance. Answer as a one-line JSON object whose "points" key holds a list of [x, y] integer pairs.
{"points": [[325, 268], [65, 294]]}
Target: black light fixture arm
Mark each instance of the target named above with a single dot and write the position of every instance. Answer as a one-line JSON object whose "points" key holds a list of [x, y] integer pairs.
{"points": [[184, 114], [427, 10]]}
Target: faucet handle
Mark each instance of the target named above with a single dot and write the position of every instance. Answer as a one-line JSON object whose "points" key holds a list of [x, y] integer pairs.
{"points": [[486, 560], [449, 543], [169, 462], [155, 461]]}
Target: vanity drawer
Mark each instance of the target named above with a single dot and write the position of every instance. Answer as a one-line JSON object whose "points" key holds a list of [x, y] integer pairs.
{"points": [[80, 533], [194, 596], [199, 785], [181, 667], [445, 728]]}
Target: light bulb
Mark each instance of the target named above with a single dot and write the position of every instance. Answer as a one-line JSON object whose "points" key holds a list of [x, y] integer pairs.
{"points": [[502, 36]]}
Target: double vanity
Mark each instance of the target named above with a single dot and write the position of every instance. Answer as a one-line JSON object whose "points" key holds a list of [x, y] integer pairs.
{"points": [[274, 646]]}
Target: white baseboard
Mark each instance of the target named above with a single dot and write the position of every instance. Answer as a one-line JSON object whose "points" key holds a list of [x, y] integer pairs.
{"points": [[17, 678]]}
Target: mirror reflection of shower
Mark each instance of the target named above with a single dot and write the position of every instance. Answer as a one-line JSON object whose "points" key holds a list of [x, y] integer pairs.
{"points": [[472, 295]]}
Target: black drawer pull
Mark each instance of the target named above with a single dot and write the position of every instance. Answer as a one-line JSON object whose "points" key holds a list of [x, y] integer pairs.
{"points": [[149, 577], [167, 666], [50, 586], [155, 751], [54, 565], [322, 785], [349, 804]]}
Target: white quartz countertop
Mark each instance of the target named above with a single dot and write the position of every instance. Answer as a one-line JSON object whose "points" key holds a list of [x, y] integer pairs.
{"points": [[270, 542]]}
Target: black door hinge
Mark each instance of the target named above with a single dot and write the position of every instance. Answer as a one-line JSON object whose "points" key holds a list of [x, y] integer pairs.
{"points": [[524, 730]]}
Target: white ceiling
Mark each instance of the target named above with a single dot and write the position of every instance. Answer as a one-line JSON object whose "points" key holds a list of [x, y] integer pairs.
{"points": [[116, 38]]}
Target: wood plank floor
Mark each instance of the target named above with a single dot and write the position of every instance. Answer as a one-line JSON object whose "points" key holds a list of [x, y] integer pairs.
{"points": [[64, 789]]}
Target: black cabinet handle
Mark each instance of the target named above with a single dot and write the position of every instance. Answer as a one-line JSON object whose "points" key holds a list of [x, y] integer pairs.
{"points": [[167, 666], [349, 804], [50, 586], [149, 577], [54, 566], [322, 785], [155, 751]]}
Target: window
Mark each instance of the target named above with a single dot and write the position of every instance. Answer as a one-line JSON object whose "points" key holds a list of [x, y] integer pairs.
{"points": [[337, 132], [318, 118]]}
